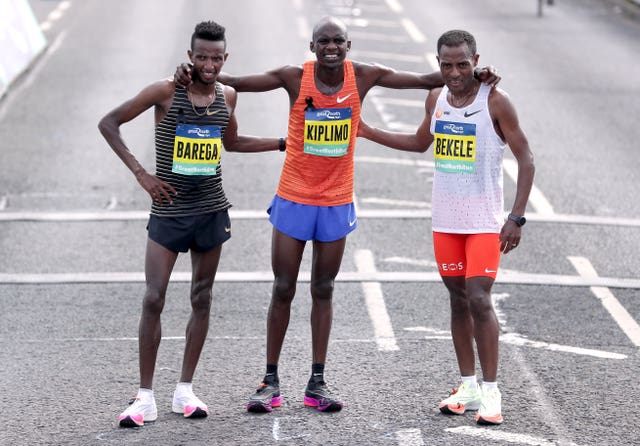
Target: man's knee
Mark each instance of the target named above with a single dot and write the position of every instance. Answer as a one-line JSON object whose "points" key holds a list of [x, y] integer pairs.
{"points": [[322, 289], [284, 289], [201, 296], [153, 302], [481, 306]]}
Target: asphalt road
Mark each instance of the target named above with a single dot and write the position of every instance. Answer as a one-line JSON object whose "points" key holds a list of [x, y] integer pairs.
{"points": [[72, 234]]}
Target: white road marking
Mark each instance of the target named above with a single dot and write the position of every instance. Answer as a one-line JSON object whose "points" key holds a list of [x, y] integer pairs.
{"points": [[432, 60], [378, 55], [413, 31], [395, 6], [304, 30], [408, 261], [389, 202], [517, 339], [409, 437], [344, 276], [362, 23], [536, 197], [275, 429], [394, 161], [416, 103], [498, 435], [378, 37], [622, 317], [55, 15], [382, 328], [510, 337]]}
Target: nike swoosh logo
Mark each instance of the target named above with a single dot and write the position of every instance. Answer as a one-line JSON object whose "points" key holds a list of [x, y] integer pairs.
{"points": [[212, 112], [340, 100], [351, 223], [227, 229], [487, 270], [466, 115]]}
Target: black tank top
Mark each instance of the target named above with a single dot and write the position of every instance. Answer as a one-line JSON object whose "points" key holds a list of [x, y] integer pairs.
{"points": [[197, 194]]}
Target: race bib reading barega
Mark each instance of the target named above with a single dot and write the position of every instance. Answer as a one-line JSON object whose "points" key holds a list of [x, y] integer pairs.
{"points": [[197, 149], [327, 131], [454, 147]]}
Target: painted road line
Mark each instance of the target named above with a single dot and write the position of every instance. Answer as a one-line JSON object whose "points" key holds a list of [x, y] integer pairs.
{"points": [[363, 23], [378, 55], [512, 338], [432, 60], [536, 197], [502, 436], [410, 162], [394, 5], [517, 339], [359, 276], [374, 299], [402, 102], [55, 15], [389, 202], [413, 31], [378, 37], [304, 30], [622, 317], [409, 437]]}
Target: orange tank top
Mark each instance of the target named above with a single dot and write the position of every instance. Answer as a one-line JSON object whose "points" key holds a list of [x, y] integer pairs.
{"points": [[318, 167]]}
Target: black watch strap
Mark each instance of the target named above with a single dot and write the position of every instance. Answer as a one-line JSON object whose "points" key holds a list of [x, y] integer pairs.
{"points": [[520, 221]]}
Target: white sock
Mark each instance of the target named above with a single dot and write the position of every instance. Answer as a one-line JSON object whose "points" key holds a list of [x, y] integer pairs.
{"points": [[490, 385], [470, 380], [184, 387], [144, 394]]}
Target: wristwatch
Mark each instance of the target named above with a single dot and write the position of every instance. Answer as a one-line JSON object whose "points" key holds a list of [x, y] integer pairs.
{"points": [[520, 221]]}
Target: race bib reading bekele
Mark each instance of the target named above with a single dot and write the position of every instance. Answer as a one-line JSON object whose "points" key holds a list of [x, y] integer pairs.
{"points": [[327, 131], [197, 149], [454, 147]]}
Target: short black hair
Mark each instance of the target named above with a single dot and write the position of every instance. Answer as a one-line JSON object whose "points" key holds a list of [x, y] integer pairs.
{"points": [[457, 37], [209, 31]]}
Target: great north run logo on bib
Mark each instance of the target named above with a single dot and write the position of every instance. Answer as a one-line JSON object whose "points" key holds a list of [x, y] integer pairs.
{"points": [[327, 131], [454, 147], [197, 149]]}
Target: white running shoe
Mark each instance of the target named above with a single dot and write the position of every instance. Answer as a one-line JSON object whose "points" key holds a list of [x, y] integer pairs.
{"points": [[463, 398], [490, 411], [139, 411], [185, 402]]}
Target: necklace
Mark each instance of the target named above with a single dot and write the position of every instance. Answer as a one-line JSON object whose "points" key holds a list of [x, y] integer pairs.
{"points": [[206, 107], [458, 103]]}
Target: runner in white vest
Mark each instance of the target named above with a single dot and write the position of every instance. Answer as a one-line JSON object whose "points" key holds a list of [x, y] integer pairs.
{"points": [[469, 125]]}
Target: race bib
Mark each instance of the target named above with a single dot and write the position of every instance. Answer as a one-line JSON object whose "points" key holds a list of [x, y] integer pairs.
{"points": [[197, 149], [454, 147], [327, 131]]}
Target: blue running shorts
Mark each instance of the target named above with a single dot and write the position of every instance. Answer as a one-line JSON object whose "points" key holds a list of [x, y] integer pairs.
{"points": [[305, 222]]}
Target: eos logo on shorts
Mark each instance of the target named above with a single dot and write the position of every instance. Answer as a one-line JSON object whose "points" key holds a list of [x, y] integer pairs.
{"points": [[452, 266]]}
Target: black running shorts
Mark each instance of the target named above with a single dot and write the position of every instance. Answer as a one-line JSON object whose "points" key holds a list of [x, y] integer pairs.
{"points": [[197, 232]]}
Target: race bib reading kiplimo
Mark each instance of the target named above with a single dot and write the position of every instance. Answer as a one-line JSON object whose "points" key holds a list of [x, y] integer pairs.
{"points": [[327, 131], [454, 147], [197, 149]]}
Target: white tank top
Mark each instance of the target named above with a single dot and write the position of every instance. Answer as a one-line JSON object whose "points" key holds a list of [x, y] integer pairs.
{"points": [[467, 184]]}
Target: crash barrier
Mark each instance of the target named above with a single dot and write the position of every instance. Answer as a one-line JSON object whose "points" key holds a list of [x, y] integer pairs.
{"points": [[21, 40]]}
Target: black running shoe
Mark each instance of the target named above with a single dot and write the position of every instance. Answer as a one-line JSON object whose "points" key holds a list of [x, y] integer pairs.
{"points": [[319, 396], [265, 398]]}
